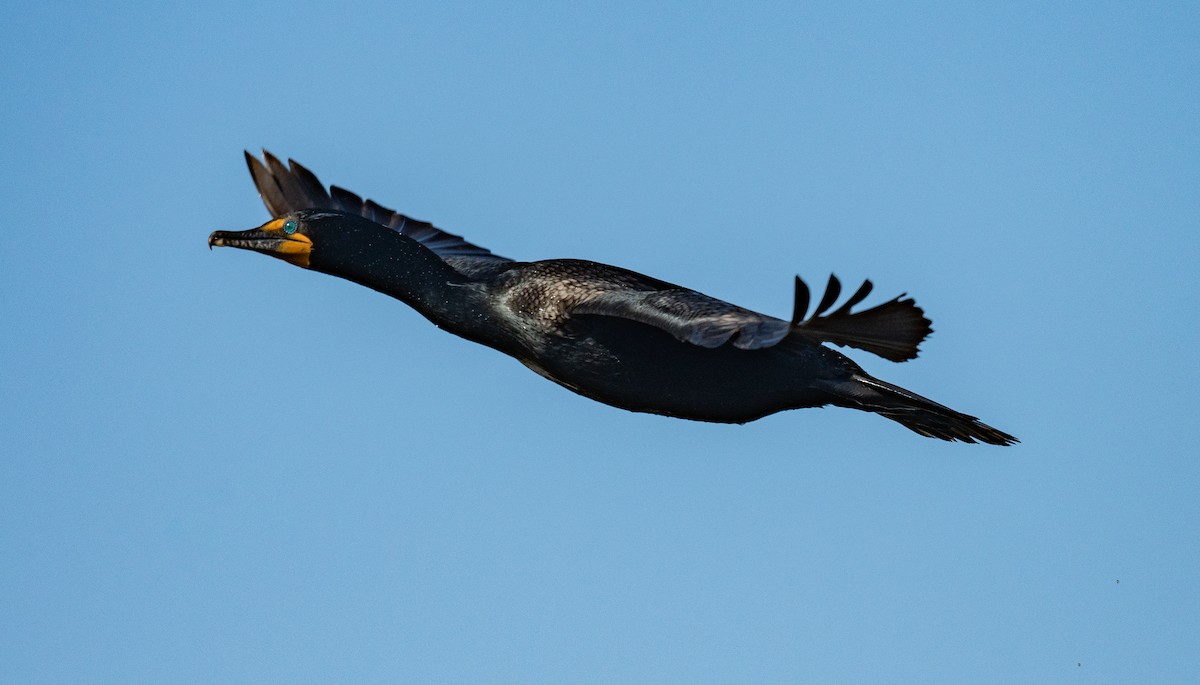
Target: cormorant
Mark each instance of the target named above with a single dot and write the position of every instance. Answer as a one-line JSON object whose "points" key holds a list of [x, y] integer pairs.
{"points": [[607, 333]]}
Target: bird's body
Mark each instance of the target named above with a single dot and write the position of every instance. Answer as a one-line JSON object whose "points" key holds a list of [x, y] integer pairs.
{"points": [[604, 332], [635, 366]]}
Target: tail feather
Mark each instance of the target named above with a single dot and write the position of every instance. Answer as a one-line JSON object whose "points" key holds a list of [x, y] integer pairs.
{"points": [[916, 413]]}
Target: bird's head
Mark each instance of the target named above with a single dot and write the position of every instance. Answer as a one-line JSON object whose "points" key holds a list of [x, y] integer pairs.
{"points": [[313, 239]]}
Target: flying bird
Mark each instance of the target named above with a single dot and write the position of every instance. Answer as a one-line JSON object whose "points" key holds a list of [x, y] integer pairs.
{"points": [[611, 334]]}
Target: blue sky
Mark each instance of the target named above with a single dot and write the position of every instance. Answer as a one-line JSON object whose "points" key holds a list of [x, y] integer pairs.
{"points": [[221, 468]]}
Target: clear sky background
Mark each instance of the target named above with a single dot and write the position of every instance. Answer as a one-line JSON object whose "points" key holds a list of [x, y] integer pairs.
{"points": [[221, 468]]}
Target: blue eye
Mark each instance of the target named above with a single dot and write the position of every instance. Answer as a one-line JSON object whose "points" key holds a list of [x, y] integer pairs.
{"points": [[289, 227]]}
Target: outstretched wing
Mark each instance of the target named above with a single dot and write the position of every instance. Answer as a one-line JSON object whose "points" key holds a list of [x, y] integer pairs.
{"points": [[560, 289], [551, 292], [690, 316], [291, 188]]}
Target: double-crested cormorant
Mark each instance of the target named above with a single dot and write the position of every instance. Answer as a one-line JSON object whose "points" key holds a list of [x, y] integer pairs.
{"points": [[607, 333]]}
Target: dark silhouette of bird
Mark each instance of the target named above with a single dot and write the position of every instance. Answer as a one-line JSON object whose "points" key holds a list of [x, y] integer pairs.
{"points": [[611, 334]]}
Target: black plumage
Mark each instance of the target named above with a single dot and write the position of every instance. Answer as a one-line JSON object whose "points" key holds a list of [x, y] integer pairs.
{"points": [[608, 333]]}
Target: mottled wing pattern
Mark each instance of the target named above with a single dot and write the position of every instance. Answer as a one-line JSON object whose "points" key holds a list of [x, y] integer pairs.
{"points": [[553, 291], [291, 188], [691, 317]]}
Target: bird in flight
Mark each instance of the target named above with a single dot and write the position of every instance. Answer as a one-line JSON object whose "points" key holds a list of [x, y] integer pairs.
{"points": [[611, 334]]}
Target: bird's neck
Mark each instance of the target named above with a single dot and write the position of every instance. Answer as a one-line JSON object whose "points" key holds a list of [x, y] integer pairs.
{"points": [[400, 267]]}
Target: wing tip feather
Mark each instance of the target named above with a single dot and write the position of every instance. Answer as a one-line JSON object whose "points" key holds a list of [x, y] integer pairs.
{"points": [[893, 330]]}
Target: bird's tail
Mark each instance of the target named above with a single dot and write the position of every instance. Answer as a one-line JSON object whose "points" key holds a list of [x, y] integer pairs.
{"points": [[914, 412]]}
